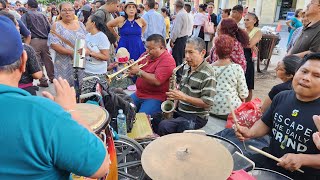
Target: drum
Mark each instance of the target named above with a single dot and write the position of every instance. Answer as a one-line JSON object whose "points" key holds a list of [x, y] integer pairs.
{"points": [[96, 116], [232, 147], [98, 119], [267, 174]]}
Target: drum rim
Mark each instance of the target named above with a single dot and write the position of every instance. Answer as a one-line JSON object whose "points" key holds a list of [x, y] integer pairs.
{"points": [[225, 139], [105, 122], [269, 170]]}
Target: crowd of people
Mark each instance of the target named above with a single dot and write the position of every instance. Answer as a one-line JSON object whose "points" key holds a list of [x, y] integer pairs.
{"points": [[215, 53]]}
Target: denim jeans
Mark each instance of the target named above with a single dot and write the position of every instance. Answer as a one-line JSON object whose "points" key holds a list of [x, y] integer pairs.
{"points": [[148, 106]]}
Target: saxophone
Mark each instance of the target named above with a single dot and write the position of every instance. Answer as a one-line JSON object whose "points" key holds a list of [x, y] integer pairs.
{"points": [[168, 106]]}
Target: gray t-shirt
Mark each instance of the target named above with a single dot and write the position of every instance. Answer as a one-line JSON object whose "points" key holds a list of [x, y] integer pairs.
{"points": [[95, 43]]}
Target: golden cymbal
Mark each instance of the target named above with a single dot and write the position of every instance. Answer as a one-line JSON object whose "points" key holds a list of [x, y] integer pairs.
{"points": [[186, 156]]}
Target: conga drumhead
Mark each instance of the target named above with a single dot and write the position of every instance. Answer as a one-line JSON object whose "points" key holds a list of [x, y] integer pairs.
{"points": [[94, 115], [231, 146], [267, 174], [186, 156]]}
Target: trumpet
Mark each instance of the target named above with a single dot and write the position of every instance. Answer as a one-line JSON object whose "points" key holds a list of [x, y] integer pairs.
{"points": [[111, 76]]}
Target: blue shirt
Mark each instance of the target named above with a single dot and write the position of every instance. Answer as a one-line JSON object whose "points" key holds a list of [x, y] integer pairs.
{"points": [[39, 140], [155, 24]]}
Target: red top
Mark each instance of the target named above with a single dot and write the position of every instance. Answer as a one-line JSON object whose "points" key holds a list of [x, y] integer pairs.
{"points": [[162, 67]]}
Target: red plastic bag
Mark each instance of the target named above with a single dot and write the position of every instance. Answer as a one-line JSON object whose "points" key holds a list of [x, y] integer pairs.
{"points": [[247, 114], [240, 175]]}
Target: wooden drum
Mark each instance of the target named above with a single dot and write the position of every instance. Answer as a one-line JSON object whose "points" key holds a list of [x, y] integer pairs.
{"points": [[96, 116]]}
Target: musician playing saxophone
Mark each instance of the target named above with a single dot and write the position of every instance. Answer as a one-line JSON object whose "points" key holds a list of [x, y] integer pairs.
{"points": [[195, 94], [153, 79]]}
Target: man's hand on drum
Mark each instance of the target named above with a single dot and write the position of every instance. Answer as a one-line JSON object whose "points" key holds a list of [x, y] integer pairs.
{"points": [[242, 133], [176, 95], [65, 95], [316, 135], [291, 162]]}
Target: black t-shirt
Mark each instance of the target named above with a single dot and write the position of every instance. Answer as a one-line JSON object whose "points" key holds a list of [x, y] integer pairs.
{"points": [[32, 66], [280, 87], [292, 126], [213, 17]]}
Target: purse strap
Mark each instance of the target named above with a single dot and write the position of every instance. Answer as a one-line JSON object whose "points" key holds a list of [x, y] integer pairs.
{"points": [[223, 70]]}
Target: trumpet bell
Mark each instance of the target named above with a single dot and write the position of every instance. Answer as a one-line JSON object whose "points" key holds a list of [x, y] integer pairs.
{"points": [[167, 106]]}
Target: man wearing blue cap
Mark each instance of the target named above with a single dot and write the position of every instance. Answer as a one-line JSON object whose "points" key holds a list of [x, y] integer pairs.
{"points": [[41, 138]]}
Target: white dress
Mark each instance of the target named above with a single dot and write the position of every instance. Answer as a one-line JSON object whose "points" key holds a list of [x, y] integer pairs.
{"points": [[231, 83]]}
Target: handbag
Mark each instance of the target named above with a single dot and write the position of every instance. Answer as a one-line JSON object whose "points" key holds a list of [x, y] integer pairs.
{"points": [[209, 26]]}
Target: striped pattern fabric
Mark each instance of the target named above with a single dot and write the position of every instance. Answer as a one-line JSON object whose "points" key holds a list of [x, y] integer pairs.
{"points": [[199, 84]]}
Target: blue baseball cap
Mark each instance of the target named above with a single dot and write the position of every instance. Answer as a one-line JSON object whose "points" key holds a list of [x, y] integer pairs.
{"points": [[10, 44]]}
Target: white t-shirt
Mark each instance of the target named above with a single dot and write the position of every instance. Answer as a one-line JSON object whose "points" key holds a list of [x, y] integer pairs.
{"points": [[95, 43]]}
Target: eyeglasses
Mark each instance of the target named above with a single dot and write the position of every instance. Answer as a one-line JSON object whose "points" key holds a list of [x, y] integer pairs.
{"points": [[246, 20], [67, 10]]}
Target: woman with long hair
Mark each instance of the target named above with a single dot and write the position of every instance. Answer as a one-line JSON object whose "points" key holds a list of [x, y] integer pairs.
{"points": [[131, 27], [230, 79], [97, 52], [62, 37], [285, 71], [251, 23], [241, 39]]}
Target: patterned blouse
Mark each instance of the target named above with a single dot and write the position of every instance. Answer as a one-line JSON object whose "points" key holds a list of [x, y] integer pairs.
{"points": [[232, 83], [237, 55]]}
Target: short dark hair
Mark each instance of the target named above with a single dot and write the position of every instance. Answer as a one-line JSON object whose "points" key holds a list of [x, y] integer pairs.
{"points": [[17, 2], [187, 7], [197, 42], [291, 63], [3, 3], [165, 10], [141, 6], [312, 56], [151, 3], [203, 7], [112, 1], [32, 3], [238, 8], [101, 2], [157, 38], [8, 15]]}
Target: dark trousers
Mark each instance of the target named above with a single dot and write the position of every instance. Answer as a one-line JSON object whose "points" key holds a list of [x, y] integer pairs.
{"points": [[178, 53], [180, 122], [43, 56], [264, 162]]}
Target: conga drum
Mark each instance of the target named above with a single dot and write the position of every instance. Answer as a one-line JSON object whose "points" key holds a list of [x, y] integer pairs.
{"points": [[267, 174], [98, 119]]}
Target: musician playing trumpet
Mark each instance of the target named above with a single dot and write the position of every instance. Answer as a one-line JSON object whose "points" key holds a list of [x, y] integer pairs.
{"points": [[153, 78], [195, 94]]}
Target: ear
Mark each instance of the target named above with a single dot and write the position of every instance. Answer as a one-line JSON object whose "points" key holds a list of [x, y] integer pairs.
{"points": [[203, 52], [290, 76], [23, 60]]}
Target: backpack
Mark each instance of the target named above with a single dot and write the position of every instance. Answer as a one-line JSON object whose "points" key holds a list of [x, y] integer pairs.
{"points": [[108, 33], [115, 99]]}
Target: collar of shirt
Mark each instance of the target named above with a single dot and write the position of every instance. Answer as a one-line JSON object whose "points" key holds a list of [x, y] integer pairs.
{"points": [[203, 63], [4, 89], [313, 26]]}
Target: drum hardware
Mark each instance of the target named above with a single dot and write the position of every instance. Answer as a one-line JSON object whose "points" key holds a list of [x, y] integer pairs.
{"points": [[168, 106], [235, 120], [268, 155], [184, 156], [111, 76]]}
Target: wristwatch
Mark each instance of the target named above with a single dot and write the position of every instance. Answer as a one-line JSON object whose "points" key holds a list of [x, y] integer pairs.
{"points": [[139, 74]]}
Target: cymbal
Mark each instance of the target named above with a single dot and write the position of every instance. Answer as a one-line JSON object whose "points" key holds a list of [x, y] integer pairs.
{"points": [[186, 156]]}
